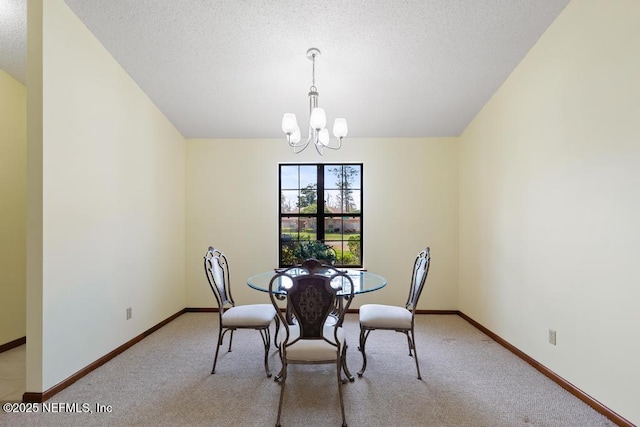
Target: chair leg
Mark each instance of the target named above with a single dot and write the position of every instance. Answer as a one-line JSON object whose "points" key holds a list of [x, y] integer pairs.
{"points": [[215, 358], [339, 372], [283, 380], [278, 377], [266, 340], [230, 340], [415, 353], [345, 368], [409, 343], [364, 334]]}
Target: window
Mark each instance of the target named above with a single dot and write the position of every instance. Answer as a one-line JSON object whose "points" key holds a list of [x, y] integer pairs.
{"points": [[321, 213]]}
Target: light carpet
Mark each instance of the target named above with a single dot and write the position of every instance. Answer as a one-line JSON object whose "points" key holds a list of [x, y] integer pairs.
{"points": [[468, 380]]}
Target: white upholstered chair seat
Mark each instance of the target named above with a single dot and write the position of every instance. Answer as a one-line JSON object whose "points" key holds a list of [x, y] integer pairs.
{"points": [[248, 315], [313, 350], [380, 316]]}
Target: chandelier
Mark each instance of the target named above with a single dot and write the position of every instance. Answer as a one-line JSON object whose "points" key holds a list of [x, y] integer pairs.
{"points": [[318, 133]]}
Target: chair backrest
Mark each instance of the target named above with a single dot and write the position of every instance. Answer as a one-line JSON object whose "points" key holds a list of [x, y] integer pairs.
{"points": [[313, 296], [418, 277], [216, 267]]}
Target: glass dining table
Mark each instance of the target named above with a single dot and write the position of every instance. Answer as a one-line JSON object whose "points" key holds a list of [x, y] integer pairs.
{"points": [[363, 282]]}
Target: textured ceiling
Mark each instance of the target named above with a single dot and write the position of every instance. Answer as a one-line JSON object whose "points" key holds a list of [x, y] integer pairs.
{"points": [[231, 68], [13, 38]]}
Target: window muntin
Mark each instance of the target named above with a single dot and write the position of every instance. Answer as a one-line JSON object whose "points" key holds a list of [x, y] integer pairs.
{"points": [[338, 221]]}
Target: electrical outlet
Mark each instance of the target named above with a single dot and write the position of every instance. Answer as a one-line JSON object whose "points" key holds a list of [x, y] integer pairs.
{"points": [[129, 314], [552, 337]]}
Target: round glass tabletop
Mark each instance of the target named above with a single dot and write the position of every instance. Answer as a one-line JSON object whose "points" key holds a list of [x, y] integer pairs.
{"points": [[363, 282]]}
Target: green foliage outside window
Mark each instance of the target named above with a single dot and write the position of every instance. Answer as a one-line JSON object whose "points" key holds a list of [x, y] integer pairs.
{"points": [[296, 252]]}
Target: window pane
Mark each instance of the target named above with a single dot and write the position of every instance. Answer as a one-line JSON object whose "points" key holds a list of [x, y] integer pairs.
{"points": [[308, 199], [351, 226], [337, 247], [294, 228], [352, 201], [333, 228], [308, 228], [289, 201], [308, 176], [352, 175], [332, 176], [353, 245], [339, 228], [289, 177], [333, 201], [294, 231], [342, 201], [342, 176], [343, 253], [287, 256], [289, 228]]}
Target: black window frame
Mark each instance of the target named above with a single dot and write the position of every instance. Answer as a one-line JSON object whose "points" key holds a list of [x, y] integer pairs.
{"points": [[320, 215]]}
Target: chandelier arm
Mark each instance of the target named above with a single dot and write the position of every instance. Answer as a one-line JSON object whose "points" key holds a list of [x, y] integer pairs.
{"points": [[299, 148], [335, 148], [295, 145]]}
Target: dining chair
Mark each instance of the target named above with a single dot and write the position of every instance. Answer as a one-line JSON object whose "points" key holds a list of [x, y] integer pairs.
{"points": [[394, 318], [315, 335], [232, 316]]}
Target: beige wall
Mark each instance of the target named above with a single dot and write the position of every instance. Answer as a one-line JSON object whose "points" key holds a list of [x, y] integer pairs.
{"points": [[113, 204], [410, 201], [549, 206], [13, 210]]}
